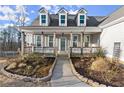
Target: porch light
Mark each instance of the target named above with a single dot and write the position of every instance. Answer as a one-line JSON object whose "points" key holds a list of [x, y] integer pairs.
{"points": [[93, 45], [62, 34]]}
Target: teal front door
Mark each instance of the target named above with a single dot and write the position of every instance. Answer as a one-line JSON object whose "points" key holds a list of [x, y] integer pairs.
{"points": [[63, 44]]}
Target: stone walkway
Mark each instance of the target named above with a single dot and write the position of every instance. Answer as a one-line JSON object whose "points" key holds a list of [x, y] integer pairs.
{"points": [[63, 76]]}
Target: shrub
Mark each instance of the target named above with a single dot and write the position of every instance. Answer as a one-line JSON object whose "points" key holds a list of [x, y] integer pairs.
{"points": [[110, 74], [99, 65], [100, 53], [34, 59]]}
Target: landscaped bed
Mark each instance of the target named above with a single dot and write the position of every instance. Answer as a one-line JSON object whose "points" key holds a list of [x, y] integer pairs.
{"points": [[100, 70], [32, 65]]}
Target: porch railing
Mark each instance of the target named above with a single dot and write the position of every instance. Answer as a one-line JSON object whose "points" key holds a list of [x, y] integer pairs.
{"points": [[44, 50], [28, 49], [83, 51], [72, 51]]}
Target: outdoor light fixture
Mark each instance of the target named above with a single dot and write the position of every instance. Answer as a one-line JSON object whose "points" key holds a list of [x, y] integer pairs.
{"points": [[62, 34]]}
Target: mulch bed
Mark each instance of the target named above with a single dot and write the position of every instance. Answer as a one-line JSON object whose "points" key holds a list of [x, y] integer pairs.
{"points": [[83, 69], [34, 69]]}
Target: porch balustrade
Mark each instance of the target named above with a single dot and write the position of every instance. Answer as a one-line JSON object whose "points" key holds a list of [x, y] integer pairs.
{"points": [[84, 50], [47, 50]]}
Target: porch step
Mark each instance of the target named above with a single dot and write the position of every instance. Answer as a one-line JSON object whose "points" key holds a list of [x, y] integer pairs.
{"points": [[63, 56]]}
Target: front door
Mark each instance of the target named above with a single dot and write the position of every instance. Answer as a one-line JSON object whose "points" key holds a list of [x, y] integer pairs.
{"points": [[63, 44]]}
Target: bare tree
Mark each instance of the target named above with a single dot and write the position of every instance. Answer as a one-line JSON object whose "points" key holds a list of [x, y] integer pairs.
{"points": [[11, 38]]}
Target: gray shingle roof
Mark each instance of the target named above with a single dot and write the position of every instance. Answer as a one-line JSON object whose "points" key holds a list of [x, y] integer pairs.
{"points": [[54, 20]]}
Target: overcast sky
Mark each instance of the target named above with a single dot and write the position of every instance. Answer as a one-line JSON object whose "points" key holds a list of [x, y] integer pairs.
{"points": [[32, 11]]}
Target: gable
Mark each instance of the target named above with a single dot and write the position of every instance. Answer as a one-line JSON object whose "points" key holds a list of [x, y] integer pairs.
{"points": [[62, 10], [43, 10], [82, 11]]}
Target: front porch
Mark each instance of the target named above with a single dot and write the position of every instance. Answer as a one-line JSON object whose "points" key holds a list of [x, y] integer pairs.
{"points": [[60, 40]]}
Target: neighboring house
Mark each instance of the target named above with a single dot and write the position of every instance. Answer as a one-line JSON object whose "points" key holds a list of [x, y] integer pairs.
{"points": [[59, 33], [113, 33]]}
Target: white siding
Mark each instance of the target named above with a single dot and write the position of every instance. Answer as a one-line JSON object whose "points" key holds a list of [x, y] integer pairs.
{"points": [[110, 35]]}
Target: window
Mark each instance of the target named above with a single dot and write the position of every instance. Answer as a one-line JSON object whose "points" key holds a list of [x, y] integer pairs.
{"points": [[62, 19], [43, 19], [51, 41], [87, 40], [75, 41], [81, 19], [38, 40], [116, 50]]}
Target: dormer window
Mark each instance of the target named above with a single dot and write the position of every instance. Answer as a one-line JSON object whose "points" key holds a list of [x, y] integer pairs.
{"points": [[81, 17], [62, 19], [43, 19]]}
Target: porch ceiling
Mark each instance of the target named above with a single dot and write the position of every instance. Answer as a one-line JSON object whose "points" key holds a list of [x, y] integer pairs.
{"points": [[60, 29]]}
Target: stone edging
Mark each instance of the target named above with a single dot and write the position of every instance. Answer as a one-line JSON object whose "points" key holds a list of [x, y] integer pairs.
{"points": [[85, 79], [25, 78]]}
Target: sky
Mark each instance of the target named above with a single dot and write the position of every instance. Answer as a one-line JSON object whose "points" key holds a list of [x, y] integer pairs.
{"points": [[10, 13]]}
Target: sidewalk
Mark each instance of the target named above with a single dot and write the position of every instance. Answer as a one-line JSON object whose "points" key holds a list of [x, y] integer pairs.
{"points": [[63, 76]]}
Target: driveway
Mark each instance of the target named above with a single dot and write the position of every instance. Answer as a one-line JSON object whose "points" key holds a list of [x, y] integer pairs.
{"points": [[63, 76]]}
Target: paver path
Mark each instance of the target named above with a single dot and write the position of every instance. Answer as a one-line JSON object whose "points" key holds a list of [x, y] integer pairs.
{"points": [[63, 76]]}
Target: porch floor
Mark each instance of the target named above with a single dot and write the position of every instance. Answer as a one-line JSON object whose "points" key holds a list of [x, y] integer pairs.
{"points": [[63, 76]]}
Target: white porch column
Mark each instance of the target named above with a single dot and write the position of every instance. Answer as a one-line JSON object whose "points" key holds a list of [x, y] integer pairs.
{"points": [[54, 40], [42, 40], [33, 42], [71, 45], [22, 43], [81, 39], [71, 40], [81, 34], [54, 43]]}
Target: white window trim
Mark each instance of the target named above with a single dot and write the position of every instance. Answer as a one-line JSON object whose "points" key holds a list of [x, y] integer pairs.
{"points": [[60, 19], [79, 20], [74, 41], [36, 40], [85, 40], [49, 40], [42, 24]]}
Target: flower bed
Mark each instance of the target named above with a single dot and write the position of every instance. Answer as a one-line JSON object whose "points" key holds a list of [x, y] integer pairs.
{"points": [[100, 70], [30, 65]]}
